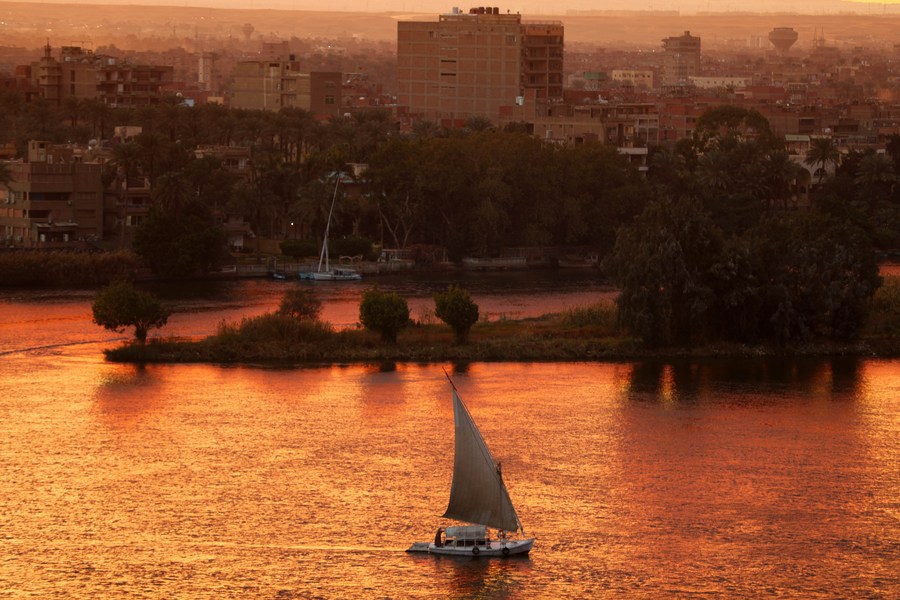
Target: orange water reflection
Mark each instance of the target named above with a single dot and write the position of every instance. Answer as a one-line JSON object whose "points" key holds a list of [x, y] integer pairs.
{"points": [[729, 478]]}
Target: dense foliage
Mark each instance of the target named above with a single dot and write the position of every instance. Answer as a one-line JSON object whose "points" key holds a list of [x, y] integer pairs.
{"points": [[715, 242], [301, 304], [119, 306], [476, 194], [725, 253], [385, 313], [456, 308], [180, 244], [58, 268]]}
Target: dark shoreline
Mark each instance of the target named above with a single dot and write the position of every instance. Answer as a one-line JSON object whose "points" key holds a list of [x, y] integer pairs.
{"points": [[523, 350]]}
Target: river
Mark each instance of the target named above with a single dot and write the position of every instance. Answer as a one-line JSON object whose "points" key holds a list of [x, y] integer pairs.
{"points": [[716, 478]]}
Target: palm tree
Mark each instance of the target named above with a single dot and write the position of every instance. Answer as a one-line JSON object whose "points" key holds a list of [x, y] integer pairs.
{"points": [[127, 159], [875, 170], [713, 171], [99, 114], [875, 174], [171, 192], [6, 176], [780, 173], [893, 149], [668, 168], [823, 151]]}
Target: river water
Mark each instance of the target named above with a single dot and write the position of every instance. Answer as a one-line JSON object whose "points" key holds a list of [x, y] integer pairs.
{"points": [[718, 478]]}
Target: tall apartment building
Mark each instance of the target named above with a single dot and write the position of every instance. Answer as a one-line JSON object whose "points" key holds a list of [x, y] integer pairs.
{"points": [[681, 59], [82, 74], [471, 64], [55, 199], [277, 83], [207, 75]]}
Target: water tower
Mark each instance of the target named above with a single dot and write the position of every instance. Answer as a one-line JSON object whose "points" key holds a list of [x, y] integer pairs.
{"points": [[783, 38]]}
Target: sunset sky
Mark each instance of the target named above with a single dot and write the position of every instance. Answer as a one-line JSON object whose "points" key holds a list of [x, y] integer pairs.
{"points": [[542, 6]]}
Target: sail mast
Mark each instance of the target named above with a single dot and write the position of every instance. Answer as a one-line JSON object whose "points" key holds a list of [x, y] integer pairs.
{"points": [[324, 254]]}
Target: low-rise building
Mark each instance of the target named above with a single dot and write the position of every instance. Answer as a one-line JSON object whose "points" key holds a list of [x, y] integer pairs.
{"points": [[55, 199], [280, 83]]}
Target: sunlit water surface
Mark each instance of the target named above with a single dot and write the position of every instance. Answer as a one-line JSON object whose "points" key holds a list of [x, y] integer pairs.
{"points": [[721, 478]]}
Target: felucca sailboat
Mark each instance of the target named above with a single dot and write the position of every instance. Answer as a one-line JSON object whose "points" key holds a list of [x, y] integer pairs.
{"points": [[478, 496], [326, 272]]}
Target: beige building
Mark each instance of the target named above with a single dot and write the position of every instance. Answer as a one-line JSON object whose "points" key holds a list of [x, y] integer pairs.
{"points": [[713, 83], [276, 84], [471, 64], [81, 74], [681, 59], [624, 125], [55, 199], [639, 79]]}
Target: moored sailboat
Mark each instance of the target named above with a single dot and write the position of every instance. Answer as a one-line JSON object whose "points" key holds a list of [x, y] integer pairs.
{"points": [[479, 497], [325, 271]]}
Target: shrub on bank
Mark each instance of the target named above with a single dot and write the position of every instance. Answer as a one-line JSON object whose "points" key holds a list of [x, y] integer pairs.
{"points": [[274, 327], [456, 308], [62, 269], [884, 314], [384, 312], [601, 315], [299, 248]]}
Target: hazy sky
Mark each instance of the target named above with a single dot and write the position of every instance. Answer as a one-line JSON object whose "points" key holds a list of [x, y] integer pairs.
{"points": [[540, 6]]}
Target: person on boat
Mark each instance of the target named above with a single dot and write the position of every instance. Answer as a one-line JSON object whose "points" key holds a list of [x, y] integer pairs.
{"points": [[437, 537], [500, 471]]}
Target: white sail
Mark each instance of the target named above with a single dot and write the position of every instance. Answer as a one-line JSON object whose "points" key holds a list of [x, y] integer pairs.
{"points": [[477, 494]]}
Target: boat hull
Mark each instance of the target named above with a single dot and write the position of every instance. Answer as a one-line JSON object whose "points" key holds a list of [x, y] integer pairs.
{"points": [[331, 276], [493, 549]]}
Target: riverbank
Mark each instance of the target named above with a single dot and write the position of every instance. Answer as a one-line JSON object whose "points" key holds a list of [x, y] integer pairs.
{"points": [[550, 338]]}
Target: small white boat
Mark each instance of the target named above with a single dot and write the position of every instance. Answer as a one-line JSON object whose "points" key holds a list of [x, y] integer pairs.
{"points": [[325, 272], [495, 264], [591, 261], [477, 496], [332, 274]]}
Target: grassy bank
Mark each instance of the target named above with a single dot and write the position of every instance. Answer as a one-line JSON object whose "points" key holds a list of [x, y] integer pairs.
{"points": [[65, 269], [581, 334]]}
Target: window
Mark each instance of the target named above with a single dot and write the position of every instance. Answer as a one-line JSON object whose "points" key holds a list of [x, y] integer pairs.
{"points": [[329, 99]]}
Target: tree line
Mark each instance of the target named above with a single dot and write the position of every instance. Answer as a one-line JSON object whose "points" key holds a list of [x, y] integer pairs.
{"points": [[711, 244]]}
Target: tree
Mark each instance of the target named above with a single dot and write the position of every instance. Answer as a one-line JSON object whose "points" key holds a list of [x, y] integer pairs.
{"points": [[662, 263], [875, 170], [719, 124], [6, 176], [385, 313], [816, 275], [780, 174], [301, 304], [179, 246], [455, 308], [120, 305], [822, 151], [127, 160]]}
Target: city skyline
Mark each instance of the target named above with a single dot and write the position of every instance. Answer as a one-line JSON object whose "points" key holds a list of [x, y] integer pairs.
{"points": [[543, 7]]}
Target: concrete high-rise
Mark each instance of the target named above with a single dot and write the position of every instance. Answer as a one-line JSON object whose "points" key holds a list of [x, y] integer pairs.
{"points": [[681, 59], [471, 64]]}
